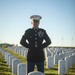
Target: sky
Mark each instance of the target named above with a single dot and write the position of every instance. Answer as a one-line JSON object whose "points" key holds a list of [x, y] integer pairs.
{"points": [[58, 19]]}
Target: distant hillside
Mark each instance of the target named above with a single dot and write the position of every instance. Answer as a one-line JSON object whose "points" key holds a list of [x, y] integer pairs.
{"points": [[5, 45]]}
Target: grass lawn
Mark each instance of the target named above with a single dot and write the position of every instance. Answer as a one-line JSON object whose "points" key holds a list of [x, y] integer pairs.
{"points": [[5, 70]]}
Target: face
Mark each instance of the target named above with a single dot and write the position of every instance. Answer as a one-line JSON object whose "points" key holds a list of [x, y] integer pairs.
{"points": [[35, 23]]}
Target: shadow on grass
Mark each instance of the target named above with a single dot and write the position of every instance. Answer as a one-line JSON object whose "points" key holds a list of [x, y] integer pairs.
{"points": [[51, 69], [5, 69], [3, 64]]}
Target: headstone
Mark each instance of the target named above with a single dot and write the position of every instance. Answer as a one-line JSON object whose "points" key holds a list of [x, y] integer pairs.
{"points": [[48, 52], [68, 53], [67, 61], [62, 67], [73, 59], [52, 54], [10, 60], [2, 52], [19, 52], [73, 54], [21, 69], [16, 50], [56, 58], [61, 56], [22, 52], [50, 62], [70, 62], [15, 62], [8, 55], [25, 53], [36, 73]]}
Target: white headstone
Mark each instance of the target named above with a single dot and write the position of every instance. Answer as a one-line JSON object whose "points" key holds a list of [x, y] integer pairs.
{"points": [[15, 62], [52, 54], [36, 73], [10, 60], [22, 52], [73, 59], [61, 56], [73, 54], [2, 52], [25, 53], [8, 55], [56, 58], [50, 62], [21, 69], [62, 67], [19, 52], [67, 61], [48, 52], [70, 62]]}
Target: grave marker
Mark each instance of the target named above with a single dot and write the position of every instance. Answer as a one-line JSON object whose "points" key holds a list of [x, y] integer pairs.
{"points": [[15, 62], [21, 69]]}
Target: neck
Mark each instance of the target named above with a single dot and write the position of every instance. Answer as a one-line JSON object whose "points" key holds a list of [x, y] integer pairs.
{"points": [[35, 27]]}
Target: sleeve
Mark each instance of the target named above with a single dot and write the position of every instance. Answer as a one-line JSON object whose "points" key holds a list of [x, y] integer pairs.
{"points": [[23, 40], [47, 40]]}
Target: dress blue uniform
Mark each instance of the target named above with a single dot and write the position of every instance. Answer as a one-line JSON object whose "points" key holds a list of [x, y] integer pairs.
{"points": [[35, 38]]}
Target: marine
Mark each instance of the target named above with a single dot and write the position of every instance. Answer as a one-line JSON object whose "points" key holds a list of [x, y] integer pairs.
{"points": [[35, 39]]}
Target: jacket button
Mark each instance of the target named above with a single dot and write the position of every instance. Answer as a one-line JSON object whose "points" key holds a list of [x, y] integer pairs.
{"points": [[35, 42], [35, 34], [35, 38]]}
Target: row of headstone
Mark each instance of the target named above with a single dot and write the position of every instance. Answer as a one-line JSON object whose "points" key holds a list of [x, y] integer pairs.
{"points": [[64, 59], [16, 65], [54, 55], [20, 50], [63, 65], [57, 51], [58, 54]]}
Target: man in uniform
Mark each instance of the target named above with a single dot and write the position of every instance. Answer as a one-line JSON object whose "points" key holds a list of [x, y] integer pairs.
{"points": [[35, 39]]}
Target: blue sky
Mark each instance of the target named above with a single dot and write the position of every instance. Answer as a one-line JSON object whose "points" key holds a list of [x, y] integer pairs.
{"points": [[58, 19]]}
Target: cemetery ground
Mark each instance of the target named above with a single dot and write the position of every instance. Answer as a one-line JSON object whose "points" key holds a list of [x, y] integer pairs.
{"points": [[6, 70]]}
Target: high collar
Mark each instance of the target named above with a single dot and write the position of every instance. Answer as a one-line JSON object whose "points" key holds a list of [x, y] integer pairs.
{"points": [[35, 29]]}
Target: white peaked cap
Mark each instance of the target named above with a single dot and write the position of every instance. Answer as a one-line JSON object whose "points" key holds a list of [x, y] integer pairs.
{"points": [[35, 17]]}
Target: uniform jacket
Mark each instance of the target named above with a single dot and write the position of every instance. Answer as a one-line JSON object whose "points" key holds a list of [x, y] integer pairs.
{"points": [[36, 40]]}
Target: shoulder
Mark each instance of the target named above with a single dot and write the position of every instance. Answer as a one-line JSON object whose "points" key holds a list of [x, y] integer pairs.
{"points": [[28, 30]]}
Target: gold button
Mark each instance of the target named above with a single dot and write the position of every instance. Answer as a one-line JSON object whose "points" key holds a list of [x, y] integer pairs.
{"points": [[35, 38], [35, 42], [36, 45], [35, 34]]}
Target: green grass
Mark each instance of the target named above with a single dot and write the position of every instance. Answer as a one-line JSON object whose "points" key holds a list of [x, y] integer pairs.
{"points": [[47, 71], [22, 58], [4, 68], [72, 70]]}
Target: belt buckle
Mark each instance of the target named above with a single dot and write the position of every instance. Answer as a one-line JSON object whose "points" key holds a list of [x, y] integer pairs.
{"points": [[35, 45]]}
